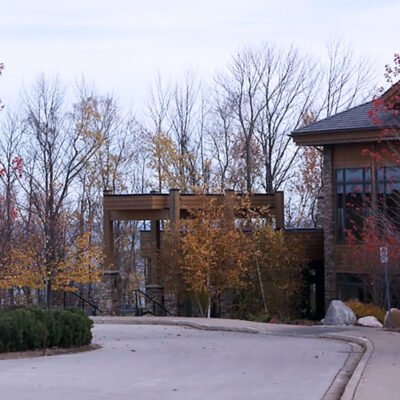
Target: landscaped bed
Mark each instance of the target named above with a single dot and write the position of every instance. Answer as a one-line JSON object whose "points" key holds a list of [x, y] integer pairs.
{"points": [[33, 329]]}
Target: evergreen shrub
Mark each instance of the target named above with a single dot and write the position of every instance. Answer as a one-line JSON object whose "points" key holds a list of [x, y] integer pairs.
{"points": [[29, 329]]}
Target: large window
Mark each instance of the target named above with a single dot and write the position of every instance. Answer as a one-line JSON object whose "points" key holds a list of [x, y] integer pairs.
{"points": [[388, 195], [355, 200], [353, 189], [350, 286]]}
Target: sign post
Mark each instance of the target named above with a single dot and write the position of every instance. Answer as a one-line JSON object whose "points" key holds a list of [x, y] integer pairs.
{"points": [[383, 252]]}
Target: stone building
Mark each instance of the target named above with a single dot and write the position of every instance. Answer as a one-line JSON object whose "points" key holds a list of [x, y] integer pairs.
{"points": [[361, 174]]}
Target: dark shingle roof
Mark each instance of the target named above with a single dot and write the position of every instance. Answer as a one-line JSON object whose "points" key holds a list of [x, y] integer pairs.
{"points": [[354, 119]]}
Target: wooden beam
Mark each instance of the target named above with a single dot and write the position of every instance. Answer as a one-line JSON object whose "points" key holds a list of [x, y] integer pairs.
{"points": [[174, 204], [130, 215], [279, 210], [108, 241]]}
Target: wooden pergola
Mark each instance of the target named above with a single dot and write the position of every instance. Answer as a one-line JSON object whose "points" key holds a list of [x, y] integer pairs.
{"points": [[170, 206], [156, 207]]}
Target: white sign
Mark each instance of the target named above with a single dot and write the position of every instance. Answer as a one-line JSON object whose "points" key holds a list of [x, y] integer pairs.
{"points": [[383, 252]]}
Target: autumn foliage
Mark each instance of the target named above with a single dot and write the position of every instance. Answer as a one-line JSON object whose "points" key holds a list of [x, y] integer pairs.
{"points": [[225, 252], [380, 229]]}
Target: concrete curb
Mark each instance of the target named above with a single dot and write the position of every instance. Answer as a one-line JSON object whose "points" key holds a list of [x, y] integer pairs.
{"points": [[177, 322], [353, 382]]}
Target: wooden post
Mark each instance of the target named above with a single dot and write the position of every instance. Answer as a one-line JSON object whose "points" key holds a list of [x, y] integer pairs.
{"points": [[174, 206], [279, 210], [108, 241], [155, 250], [229, 209]]}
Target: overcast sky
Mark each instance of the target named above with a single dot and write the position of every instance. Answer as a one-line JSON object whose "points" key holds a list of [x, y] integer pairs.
{"points": [[122, 45]]}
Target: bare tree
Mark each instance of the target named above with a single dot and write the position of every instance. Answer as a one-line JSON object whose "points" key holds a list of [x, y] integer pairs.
{"points": [[60, 148], [10, 171], [346, 80], [1, 71], [221, 133], [242, 87], [269, 91]]}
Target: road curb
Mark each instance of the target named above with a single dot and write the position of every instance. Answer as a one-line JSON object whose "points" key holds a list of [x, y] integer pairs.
{"points": [[352, 384], [177, 322]]}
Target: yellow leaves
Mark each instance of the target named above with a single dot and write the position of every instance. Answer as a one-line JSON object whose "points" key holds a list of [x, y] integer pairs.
{"points": [[81, 264], [20, 268], [212, 253], [24, 266], [170, 165]]}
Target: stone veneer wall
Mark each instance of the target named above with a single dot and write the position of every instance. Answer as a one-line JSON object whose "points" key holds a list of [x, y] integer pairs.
{"points": [[329, 225], [109, 301]]}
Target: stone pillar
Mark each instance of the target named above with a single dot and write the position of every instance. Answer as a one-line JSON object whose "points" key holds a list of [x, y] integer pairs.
{"points": [[109, 301], [329, 217], [319, 211], [154, 289]]}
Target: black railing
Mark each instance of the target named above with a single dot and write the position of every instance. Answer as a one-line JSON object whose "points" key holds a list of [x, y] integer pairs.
{"points": [[141, 309], [85, 301]]}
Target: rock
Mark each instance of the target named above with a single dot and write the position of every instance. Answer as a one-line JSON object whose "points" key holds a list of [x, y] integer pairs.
{"points": [[395, 319], [369, 321], [339, 314]]}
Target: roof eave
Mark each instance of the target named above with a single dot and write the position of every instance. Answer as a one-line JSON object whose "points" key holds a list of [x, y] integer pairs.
{"points": [[341, 136]]}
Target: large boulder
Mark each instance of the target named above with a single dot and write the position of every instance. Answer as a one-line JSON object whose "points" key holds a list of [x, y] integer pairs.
{"points": [[369, 321], [394, 321], [339, 314]]}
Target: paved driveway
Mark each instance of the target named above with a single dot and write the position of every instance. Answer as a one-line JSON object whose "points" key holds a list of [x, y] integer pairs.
{"points": [[165, 362]]}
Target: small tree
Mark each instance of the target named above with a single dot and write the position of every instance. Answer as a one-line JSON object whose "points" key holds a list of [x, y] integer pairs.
{"points": [[226, 249], [209, 253], [275, 271], [382, 227], [376, 233]]}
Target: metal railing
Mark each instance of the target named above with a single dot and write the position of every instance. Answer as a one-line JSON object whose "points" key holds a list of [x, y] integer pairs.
{"points": [[140, 309], [85, 301]]}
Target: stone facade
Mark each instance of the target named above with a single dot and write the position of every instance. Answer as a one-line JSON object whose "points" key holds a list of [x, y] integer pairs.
{"points": [[329, 224], [109, 300]]}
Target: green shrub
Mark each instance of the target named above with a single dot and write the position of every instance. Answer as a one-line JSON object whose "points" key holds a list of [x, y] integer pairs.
{"points": [[366, 309], [37, 329]]}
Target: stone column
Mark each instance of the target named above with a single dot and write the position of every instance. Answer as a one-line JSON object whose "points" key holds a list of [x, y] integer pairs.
{"points": [[109, 301], [154, 289], [329, 218], [319, 211]]}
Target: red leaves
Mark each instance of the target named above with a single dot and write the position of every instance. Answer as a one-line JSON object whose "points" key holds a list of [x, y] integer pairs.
{"points": [[365, 152], [18, 164]]}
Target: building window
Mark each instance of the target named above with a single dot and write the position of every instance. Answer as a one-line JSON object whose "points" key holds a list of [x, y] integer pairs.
{"points": [[350, 286], [388, 195], [353, 190]]}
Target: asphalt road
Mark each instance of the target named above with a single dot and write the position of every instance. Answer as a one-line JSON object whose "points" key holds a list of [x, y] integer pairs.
{"points": [[140, 362]]}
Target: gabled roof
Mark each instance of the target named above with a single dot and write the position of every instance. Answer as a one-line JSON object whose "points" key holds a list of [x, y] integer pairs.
{"points": [[353, 125], [356, 118]]}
